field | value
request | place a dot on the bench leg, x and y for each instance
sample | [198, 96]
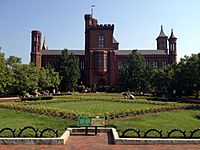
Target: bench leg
[95, 130]
[86, 130]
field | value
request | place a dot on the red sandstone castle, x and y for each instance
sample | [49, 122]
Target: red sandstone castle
[101, 60]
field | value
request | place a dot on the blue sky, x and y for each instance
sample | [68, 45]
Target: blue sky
[137, 23]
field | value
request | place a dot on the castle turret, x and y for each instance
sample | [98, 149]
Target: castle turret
[172, 48]
[44, 45]
[162, 41]
[36, 48]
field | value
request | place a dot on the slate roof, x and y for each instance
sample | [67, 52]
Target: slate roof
[59, 52]
[162, 34]
[118, 52]
[114, 40]
[172, 35]
[143, 52]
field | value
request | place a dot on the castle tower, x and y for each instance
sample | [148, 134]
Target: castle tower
[36, 48]
[162, 41]
[172, 48]
[99, 48]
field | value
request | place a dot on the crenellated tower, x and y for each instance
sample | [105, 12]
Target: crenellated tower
[99, 49]
[172, 48]
[36, 48]
[162, 41]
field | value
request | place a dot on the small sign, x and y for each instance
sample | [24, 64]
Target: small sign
[89, 121]
[84, 121]
[98, 121]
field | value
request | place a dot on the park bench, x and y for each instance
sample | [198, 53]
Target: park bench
[91, 121]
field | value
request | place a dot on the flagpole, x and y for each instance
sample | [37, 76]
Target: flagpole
[92, 6]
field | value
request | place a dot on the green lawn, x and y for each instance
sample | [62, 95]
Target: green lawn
[166, 121]
[16, 120]
[96, 107]
[94, 104]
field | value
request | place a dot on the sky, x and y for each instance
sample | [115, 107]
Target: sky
[137, 23]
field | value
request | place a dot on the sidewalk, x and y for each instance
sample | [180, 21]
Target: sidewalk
[99, 142]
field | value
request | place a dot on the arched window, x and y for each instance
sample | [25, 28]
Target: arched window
[101, 41]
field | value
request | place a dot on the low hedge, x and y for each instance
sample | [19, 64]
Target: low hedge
[157, 99]
[37, 98]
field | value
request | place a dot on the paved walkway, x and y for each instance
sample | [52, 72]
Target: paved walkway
[99, 142]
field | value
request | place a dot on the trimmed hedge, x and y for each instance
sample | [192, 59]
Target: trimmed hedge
[37, 98]
[157, 99]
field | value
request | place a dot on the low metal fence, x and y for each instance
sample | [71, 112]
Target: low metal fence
[34, 132]
[174, 133]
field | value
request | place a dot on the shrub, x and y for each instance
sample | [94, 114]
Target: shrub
[198, 116]
[37, 98]
[157, 99]
[46, 97]
[30, 98]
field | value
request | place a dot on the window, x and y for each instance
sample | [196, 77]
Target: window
[82, 65]
[100, 61]
[101, 41]
[164, 63]
[146, 63]
[155, 63]
[120, 65]
[46, 64]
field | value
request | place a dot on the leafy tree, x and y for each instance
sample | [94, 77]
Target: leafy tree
[68, 68]
[12, 61]
[133, 73]
[162, 80]
[26, 79]
[187, 75]
[3, 72]
[48, 79]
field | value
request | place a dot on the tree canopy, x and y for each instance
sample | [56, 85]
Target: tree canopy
[133, 73]
[68, 68]
[18, 79]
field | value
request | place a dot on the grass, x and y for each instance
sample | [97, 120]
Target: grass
[16, 120]
[97, 103]
[165, 121]
[96, 107]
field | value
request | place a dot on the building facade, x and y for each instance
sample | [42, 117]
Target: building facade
[101, 61]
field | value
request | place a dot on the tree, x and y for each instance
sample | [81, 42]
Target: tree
[133, 73]
[48, 79]
[26, 79]
[187, 75]
[12, 61]
[163, 79]
[68, 68]
[3, 72]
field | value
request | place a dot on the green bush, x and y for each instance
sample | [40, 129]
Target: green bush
[157, 99]
[46, 97]
[30, 98]
[62, 94]
[37, 98]
[198, 116]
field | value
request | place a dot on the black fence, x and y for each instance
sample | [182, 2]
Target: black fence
[34, 132]
[175, 133]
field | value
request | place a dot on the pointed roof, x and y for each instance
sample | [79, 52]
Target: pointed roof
[162, 34]
[114, 40]
[172, 35]
[44, 46]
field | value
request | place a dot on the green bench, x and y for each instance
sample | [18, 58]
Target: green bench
[91, 121]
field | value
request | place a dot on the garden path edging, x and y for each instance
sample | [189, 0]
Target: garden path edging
[49, 141]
